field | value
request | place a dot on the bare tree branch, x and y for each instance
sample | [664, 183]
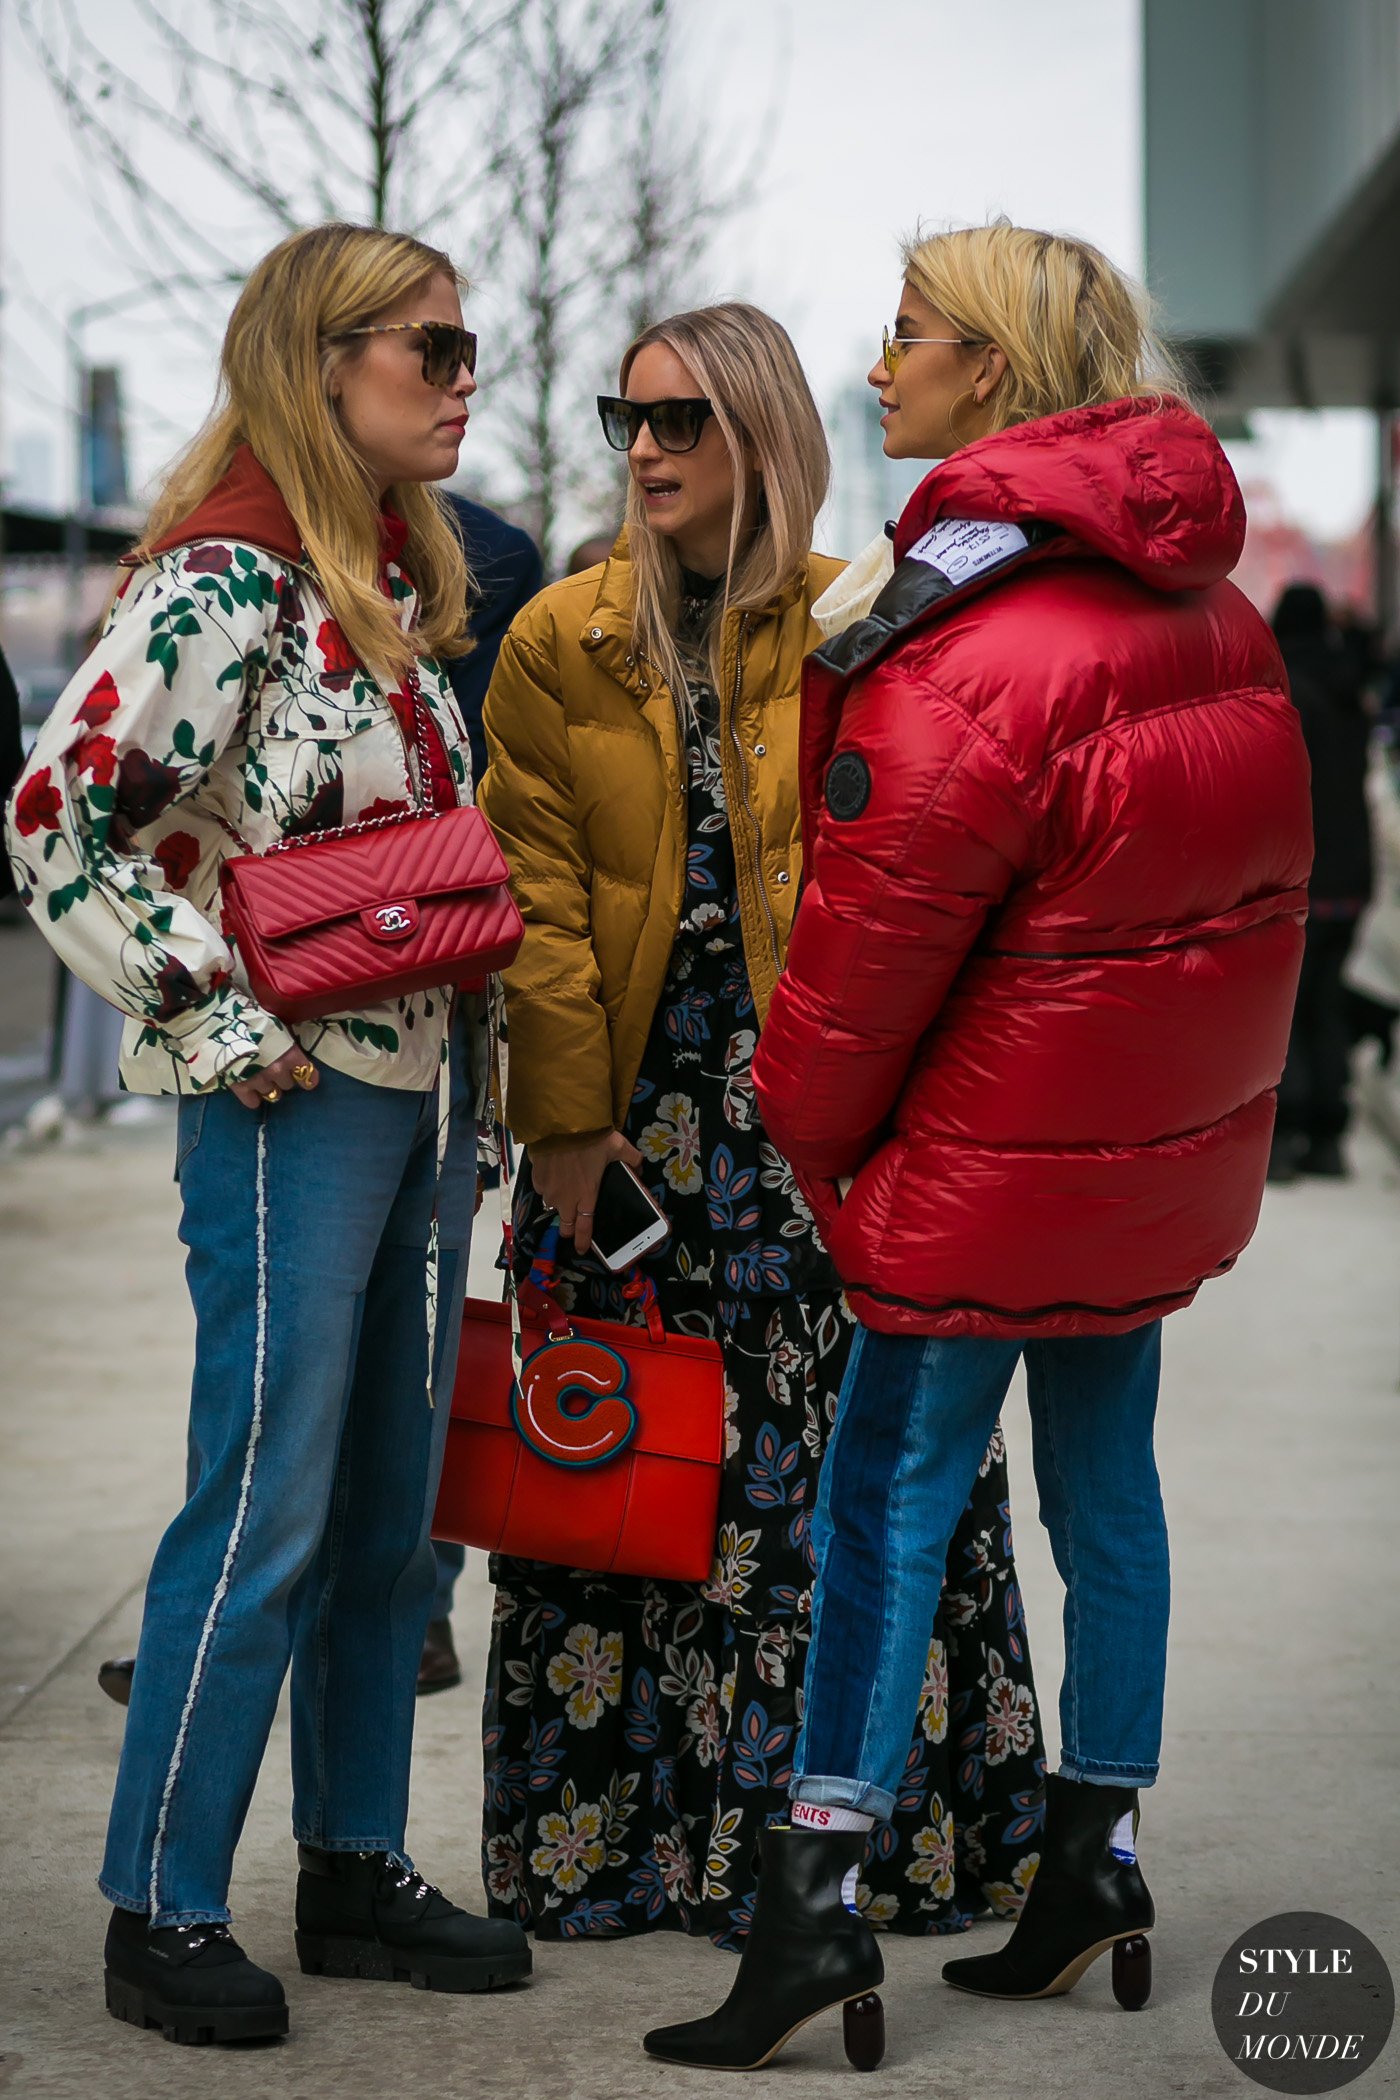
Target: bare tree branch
[546, 126]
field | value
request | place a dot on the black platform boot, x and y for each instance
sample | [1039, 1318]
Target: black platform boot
[1082, 1901]
[360, 1914]
[193, 1982]
[805, 1951]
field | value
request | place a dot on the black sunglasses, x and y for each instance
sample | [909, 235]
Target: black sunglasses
[676, 425]
[446, 348]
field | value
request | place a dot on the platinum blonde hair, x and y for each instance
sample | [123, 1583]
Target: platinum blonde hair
[1076, 330]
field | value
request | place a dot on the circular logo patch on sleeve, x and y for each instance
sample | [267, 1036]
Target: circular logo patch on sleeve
[848, 786]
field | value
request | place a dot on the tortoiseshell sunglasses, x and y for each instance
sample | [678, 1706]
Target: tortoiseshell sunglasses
[446, 348]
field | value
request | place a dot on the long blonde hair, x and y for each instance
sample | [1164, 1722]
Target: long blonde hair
[744, 363]
[280, 354]
[1076, 330]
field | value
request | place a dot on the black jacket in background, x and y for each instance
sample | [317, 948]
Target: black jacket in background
[11, 759]
[1327, 694]
[506, 566]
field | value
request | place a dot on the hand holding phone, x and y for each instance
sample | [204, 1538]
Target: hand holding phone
[627, 1220]
[567, 1177]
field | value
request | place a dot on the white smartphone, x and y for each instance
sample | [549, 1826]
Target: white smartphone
[627, 1223]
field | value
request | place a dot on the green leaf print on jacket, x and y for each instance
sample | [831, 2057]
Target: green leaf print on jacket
[221, 699]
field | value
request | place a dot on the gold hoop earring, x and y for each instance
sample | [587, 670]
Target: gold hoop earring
[970, 395]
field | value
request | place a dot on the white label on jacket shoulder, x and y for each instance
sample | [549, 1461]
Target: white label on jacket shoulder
[963, 547]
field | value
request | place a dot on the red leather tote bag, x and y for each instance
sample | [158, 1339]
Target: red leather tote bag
[605, 1453]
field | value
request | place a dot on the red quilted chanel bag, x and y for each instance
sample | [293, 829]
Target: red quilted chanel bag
[348, 918]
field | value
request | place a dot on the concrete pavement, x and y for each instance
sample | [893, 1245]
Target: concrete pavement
[1279, 1438]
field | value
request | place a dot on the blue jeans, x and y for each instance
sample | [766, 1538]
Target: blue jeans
[449, 1559]
[913, 1422]
[314, 1459]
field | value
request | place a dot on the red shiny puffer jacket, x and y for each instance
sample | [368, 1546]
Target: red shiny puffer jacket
[1038, 995]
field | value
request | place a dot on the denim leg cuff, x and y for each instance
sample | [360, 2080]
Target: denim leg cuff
[163, 1918]
[325, 1844]
[823, 1792]
[1091, 1774]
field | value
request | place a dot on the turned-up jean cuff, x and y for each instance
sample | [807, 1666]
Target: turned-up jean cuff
[824, 1792]
[355, 1845]
[219, 1915]
[1108, 1775]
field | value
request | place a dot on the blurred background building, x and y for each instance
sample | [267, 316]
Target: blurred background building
[1271, 156]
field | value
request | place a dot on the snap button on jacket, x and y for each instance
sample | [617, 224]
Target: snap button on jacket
[586, 791]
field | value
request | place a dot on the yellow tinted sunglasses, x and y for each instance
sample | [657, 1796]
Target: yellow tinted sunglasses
[894, 346]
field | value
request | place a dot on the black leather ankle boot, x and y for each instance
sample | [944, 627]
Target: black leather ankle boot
[193, 1982]
[360, 1914]
[805, 1951]
[1082, 1901]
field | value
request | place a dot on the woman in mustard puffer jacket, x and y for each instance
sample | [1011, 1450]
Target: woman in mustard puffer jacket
[642, 725]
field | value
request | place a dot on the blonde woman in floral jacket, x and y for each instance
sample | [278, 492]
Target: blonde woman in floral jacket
[229, 705]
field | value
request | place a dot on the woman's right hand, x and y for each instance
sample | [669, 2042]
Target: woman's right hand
[291, 1070]
[567, 1177]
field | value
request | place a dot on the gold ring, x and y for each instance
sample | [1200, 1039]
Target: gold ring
[274, 1093]
[304, 1075]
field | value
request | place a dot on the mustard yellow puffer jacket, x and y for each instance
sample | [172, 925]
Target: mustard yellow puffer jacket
[586, 791]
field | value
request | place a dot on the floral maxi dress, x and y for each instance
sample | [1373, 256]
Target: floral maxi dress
[639, 1733]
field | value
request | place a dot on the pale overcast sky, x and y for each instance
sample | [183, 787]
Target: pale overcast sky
[884, 116]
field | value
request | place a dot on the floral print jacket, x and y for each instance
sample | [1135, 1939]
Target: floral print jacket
[222, 694]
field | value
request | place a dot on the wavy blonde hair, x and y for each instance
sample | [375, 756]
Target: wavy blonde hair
[280, 354]
[1076, 330]
[744, 363]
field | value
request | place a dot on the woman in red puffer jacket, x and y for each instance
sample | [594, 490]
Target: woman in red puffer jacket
[1023, 1058]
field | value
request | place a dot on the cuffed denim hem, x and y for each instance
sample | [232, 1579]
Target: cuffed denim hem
[166, 1917]
[824, 1792]
[1090, 1774]
[325, 1844]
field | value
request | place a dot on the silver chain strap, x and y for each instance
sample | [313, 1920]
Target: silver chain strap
[418, 789]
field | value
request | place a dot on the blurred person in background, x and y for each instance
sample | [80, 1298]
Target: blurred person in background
[643, 727]
[327, 1176]
[11, 764]
[1022, 1057]
[1326, 676]
[506, 572]
[1373, 966]
[590, 553]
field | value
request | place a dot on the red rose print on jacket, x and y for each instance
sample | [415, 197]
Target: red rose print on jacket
[178, 857]
[178, 989]
[144, 788]
[101, 703]
[37, 804]
[382, 806]
[341, 660]
[323, 812]
[209, 560]
[97, 755]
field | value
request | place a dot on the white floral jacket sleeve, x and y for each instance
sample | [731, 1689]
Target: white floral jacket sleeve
[222, 694]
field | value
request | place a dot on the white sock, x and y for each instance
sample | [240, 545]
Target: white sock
[822, 1815]
[1122, 1843]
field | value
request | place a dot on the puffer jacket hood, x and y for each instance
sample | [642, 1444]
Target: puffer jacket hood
[1143, 482]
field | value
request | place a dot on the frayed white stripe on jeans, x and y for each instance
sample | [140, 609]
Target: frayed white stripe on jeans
[240, 1519]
